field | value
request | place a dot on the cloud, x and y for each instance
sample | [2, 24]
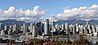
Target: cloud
[83, 13]
[35, 14]
[22, 15]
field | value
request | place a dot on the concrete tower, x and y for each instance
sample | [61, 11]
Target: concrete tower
[46, 27]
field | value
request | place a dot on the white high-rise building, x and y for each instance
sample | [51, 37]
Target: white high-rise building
[95, 27]
[9, 31]
[31, 27]
[89, 28]
[57, 27]
[24, 28]
[81, 29]
[0, 25]
[67, 28]
[77, 28]
[62, 27]
[73, 28]
[54, 29]
[85, 29]
[46, 27]
[2, 32]
[14, 28]
[34, 31]
[5, 27]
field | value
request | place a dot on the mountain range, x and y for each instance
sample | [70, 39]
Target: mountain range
[13, 21]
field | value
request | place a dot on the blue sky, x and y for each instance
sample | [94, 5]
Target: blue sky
[50, 6]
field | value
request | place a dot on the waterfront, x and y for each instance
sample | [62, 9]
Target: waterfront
[92, 39]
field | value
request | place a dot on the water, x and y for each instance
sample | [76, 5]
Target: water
[19, 43]
[3, 43]
[94, 39]
[70, 37]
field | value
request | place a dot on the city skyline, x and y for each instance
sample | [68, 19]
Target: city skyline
[33, 10]
[48, 22]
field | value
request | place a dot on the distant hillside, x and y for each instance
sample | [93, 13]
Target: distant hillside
[76, 21]
[12, 21]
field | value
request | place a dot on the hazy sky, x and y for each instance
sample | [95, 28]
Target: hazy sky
[32, 10]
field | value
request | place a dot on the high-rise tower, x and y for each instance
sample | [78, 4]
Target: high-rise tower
[46, 27]
[67, 28]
